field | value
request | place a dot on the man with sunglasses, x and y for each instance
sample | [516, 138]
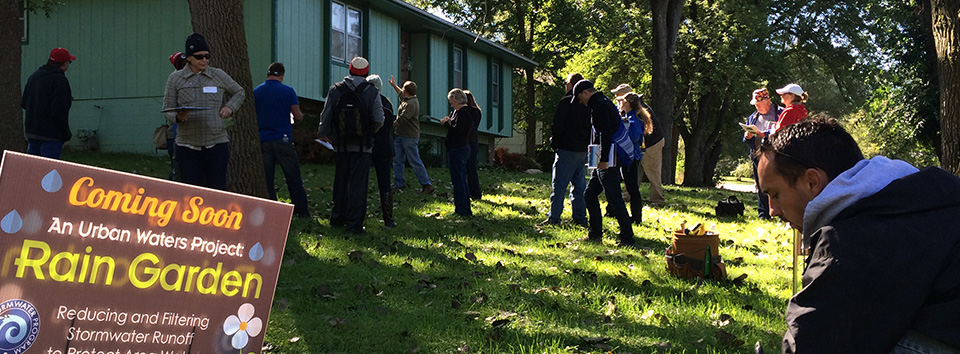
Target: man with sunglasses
[201, 99]
[47, 99]
[765, 119]
[882, 275]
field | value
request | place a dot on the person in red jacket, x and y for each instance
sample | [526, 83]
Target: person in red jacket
[793, 97]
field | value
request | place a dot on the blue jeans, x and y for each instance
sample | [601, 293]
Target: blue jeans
[405, 148]
[457, 162]
[51, 149]
[473, 177]
[607, 181]
[284, 153]
[763, 202]
[568, 167]
[206, 167]
[915, 343]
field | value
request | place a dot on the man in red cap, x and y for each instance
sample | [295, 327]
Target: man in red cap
[47, 99]
[351, 116]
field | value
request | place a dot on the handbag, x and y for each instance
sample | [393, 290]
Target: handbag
[160, 137]
[729, 207]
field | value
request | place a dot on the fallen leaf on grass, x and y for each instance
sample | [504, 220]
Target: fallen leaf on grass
[294, 339]
[552, 288]
[282, 304]
[739, 280]
[595, 340]
[336, 321]
[463, 349]
[728, 339]
[472, 314]
[355, 256]
[470, 256]
[514, 287]
[455, 304]
[499, 323]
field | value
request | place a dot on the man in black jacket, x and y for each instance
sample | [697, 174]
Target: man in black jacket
[606, 120]
[47, 100]
[883, 275]
[571, 134]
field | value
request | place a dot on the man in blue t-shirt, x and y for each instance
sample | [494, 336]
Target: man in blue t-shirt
[277, 104]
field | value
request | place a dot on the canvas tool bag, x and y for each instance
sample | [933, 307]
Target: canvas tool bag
[729, 207]
[160, 137]
[690, 255]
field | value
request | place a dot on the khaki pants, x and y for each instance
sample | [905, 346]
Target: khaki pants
[652, 162]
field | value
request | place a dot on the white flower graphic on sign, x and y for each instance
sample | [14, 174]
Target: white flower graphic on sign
[242, 326]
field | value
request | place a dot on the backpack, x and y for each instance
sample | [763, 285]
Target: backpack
[628, 141]
[352, 122]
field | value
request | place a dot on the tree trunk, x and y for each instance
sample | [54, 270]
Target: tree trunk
[945, 16]
[11, 116]
[530, 135]
[221, 22]
[666, 25]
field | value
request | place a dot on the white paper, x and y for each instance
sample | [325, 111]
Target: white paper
[209, 89]
[324, 143]
[750, 128]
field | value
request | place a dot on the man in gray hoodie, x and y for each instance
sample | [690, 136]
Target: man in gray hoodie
[352, 156]
[883, 275]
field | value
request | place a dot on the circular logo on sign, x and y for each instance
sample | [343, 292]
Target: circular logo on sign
[19, 325]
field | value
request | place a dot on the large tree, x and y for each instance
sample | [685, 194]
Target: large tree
[945, 16]
[667, 15]
[11, 121]
[221, 22]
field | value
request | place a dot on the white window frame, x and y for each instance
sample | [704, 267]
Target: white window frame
[343, 30]
[457, 72]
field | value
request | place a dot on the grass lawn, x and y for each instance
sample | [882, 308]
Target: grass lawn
[497, 283]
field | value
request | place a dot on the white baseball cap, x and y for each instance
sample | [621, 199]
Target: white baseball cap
[791, 88]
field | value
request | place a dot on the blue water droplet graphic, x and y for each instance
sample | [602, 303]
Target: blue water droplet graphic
[52, 181]
[256, 252]
[11, 223]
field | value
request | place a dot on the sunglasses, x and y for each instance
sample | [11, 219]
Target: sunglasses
[765, 143]
[201, 56]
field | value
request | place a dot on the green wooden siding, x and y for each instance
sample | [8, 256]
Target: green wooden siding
[384, 46]
[439, 83]
[421, 72]
[478, 85]
[122, 50]
[505, 122]
[300, 45]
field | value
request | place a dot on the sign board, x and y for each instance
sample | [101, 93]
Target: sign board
[96, 261]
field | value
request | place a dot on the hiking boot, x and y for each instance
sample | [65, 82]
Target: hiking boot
[427, 189]
[582, 222]
[386, 208]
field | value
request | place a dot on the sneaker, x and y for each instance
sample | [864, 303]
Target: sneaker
[389, 224]
[582, 222]
[427, 189]
[627, 244]
[548, 222]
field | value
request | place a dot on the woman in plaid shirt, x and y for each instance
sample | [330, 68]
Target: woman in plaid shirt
[201, 99]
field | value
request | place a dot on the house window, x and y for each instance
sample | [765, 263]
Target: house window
[495, 84]
[346, 32]
[457, 67]
[23, 25]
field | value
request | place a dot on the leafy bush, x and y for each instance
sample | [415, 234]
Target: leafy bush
[512, 161]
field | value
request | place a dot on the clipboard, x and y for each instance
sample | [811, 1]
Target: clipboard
[752, 129]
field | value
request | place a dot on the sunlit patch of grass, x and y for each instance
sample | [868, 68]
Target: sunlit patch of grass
[498, 283]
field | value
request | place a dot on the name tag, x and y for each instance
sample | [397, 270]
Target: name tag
[209, 89]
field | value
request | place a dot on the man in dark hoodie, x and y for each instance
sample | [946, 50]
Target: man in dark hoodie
[352, 173]
[606, 120]
[47, 100]
[882, 275]
[571, 135]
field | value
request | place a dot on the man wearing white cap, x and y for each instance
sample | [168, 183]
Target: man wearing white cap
[47, 100]
[352, 153]
[765, 119]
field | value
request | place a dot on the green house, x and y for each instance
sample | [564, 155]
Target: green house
[122, 50]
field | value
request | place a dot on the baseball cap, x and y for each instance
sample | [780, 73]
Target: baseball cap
[791, 88]
[759, 95]
[579, 87]
[359, 66]
[60, 55]
[621, 89]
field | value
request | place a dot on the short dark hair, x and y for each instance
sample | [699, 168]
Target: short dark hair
[276, 69]
[819, 142]
[410, 88]
[573, 78]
